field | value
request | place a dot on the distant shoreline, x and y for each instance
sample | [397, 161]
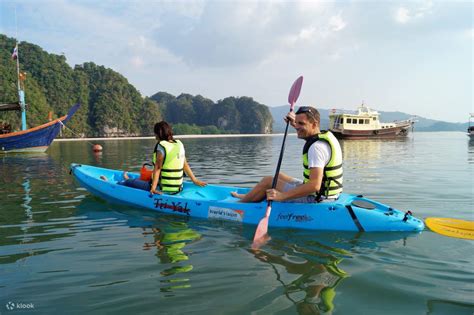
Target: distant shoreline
[176, 136]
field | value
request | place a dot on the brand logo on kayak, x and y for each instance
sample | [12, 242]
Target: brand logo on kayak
[294, 217]
[175, 206]
[225, 213]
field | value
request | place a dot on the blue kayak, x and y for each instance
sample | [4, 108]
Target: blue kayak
[347, 213]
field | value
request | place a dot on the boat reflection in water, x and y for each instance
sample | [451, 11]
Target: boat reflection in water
[26, 222]
[358, 152]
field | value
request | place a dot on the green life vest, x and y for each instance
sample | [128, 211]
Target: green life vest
[171, 175]
[332, 176]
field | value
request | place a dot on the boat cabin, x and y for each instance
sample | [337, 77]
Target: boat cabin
[363, 119]
[470, 128]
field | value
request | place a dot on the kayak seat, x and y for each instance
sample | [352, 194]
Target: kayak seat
[363, 204]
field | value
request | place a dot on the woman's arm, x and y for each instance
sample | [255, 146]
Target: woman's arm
[156, 173]
[189, 172]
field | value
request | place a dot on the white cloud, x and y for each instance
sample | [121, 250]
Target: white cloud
[137, 61]
[402, 15]
[336, 23]
[307, 33]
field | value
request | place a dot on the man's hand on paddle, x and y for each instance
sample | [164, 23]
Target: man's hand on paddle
[290, 117]
[275, 195]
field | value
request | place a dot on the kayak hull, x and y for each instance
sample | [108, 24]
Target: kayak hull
[348, 213]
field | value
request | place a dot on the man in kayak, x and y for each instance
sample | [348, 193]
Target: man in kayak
[169, 162]
[322, 163]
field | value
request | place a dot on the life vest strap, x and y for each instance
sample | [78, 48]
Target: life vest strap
[170, 185]
[172, 178]
[334, 177]
[171, 170]
[332, 168]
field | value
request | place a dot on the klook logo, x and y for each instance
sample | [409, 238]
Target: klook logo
[10, 306]
[19, 305]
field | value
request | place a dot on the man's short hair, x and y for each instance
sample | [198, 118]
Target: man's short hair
[311, 113]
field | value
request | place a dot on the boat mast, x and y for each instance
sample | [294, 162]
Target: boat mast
[21, 93]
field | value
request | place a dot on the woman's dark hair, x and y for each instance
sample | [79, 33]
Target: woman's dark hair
[163, 131]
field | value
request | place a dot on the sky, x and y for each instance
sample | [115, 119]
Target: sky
[410, 56]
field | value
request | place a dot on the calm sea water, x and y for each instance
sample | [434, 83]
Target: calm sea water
[65, 251]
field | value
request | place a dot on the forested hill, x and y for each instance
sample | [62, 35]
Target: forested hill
[110, 105]
[202, 115]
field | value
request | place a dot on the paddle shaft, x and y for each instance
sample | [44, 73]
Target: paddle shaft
[262, 227]
[277, 172]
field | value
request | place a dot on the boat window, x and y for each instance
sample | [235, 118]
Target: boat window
[349, 120]
[361, 121]
[342, 120]
[367, 121]
[374, 118]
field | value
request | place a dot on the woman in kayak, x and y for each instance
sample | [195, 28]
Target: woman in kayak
[169, 162]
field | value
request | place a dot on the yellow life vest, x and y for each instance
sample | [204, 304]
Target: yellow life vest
[171, 175]
[332, 178]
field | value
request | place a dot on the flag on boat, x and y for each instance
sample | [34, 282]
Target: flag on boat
[15, 52]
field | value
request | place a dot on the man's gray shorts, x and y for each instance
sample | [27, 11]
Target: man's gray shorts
[306, 199]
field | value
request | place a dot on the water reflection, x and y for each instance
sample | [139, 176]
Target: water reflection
[470, 150]
[365, 150]
[309, 265]
[314, 288]
[367, 153]
[170, 250]
[167, 235]
[217, 159]
[23, 187]
[449, 307]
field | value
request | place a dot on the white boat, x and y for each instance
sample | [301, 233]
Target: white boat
[365, 124]
[470, 129]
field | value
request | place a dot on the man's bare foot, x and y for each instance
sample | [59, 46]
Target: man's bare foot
[125, 176]
[236, 195]
[103, 177]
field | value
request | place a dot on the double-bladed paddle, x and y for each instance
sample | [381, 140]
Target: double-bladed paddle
[262, 228]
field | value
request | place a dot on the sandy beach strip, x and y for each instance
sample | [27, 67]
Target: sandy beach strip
[176, 136]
